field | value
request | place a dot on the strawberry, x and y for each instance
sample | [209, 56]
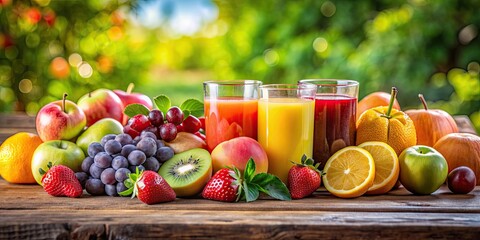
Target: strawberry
[149, 187]
[223, 186]
[303, 178]
[61, 181]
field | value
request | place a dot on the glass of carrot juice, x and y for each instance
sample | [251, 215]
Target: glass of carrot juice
[335, 116]
[230, 110]
[285, 124]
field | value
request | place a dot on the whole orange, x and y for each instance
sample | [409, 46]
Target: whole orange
[16, 157]
[375, 99]
[388, 125]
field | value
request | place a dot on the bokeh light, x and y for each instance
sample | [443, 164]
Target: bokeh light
[25, 86]
[85, 70]
[75, 60]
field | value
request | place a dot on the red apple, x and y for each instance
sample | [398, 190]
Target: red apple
[59, 120]
[99, 104]
[236, 152]
[129, 98]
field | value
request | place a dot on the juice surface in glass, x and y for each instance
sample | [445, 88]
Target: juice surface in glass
[335, 117]
[229, 117]
[285, 130]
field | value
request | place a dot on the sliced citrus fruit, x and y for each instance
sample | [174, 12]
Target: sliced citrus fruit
[349, 173]
[386, 166]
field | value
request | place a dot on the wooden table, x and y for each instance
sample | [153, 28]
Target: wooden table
[26, 211]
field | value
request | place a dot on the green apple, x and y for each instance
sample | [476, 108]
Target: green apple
[97, 131]
[422, 169]
[58, 152]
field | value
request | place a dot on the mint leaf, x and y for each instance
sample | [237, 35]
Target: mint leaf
[162, 102]
[135, 108]
[251, 192]
[249, 171]
[192, 107]
[272, 186]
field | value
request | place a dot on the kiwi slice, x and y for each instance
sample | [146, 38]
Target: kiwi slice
[188, 172]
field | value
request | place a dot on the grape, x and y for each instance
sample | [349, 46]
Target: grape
[151, 164]
[108, 176]
[127, 149]
[145, 134]
[121, 187]
[95, 171]
[106, 138]
[136, 140]
[94, 148]
[95, 187]
[130, 131]
[119, 162]
[156, 117]
[168, 132]
[87, 162]
[180, 128]
[160, 144]
[202, 120]
[148, 146]
[82, 178]
[139, 122]
[201, 135]
[124, 139]
[134, 168]
[112, 147]
[191, 124]
[121, 174]
[103, 160]
[164, 154]
[111, 190]
[175, 115]
[136, 157]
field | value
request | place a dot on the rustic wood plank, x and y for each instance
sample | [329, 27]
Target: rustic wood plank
[124, 224]
[17, 120]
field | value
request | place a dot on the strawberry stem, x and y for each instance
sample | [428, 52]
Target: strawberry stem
[424, 102]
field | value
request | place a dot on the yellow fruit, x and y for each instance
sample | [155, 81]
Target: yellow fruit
[349, 173]
[388, 125]
[16, 157]
[387, 167]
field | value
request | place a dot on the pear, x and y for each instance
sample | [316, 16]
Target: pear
[97, 131]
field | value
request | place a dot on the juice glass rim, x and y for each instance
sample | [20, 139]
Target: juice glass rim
[233, 82]
[286, 86]
[330, 82]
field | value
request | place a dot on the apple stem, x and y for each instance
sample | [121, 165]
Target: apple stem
[130, 88]
[63, 102]
[392, 100]
[422, 99]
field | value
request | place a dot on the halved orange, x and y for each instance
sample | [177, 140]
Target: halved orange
[386, 166]
[349, 173]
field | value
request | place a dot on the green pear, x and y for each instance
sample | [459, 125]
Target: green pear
[97, 131]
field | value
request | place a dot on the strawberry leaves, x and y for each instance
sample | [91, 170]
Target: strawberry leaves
[253, 184]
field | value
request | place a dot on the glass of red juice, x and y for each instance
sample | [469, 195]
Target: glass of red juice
[335, 116]
[231, 109]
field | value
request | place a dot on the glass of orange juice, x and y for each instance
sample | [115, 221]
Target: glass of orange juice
[230, 110]
[285, 124]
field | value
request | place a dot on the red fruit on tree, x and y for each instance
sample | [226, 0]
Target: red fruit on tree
[303, 178]
[61, 181]
[149, 187]
[223, 186]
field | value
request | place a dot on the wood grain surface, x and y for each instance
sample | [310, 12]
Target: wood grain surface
[28, 212]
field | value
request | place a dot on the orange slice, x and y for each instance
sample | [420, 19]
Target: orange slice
[386, 166]
[349, 173]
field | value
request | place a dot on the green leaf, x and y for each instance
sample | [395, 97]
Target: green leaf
[193, 107]
[272, 186]
[135, 109]
[162, 102]
[126, 193]
[251, 192]
[249, 171]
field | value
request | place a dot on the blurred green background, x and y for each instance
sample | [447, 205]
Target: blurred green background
[48, 47]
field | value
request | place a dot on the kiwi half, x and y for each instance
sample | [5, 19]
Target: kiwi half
[188, 172]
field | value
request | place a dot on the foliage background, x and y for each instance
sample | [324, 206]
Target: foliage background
[48, 47]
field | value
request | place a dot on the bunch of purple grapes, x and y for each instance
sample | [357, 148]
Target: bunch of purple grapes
[110, 161]
[166, 126]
